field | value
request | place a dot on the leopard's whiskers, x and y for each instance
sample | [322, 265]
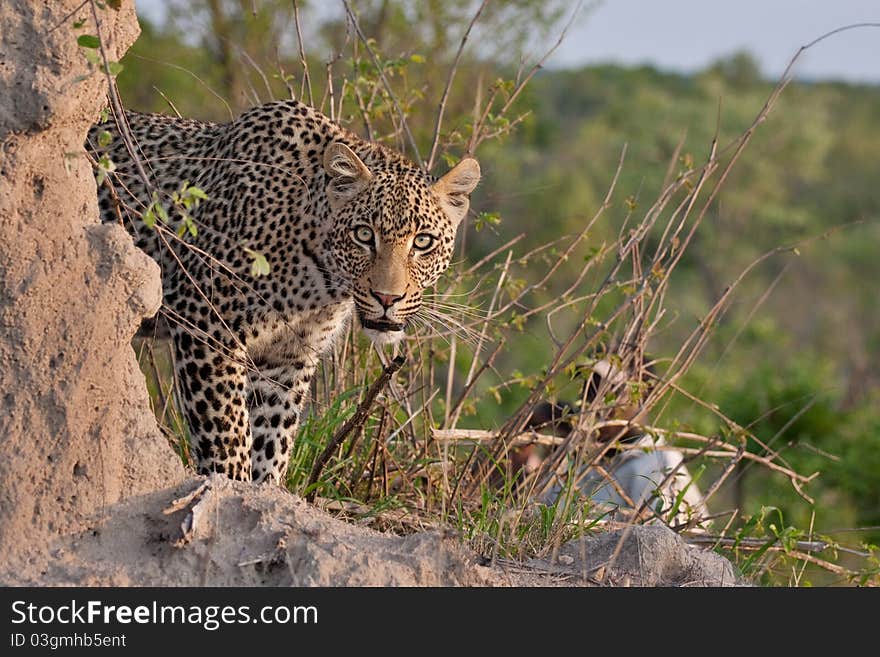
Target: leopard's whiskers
[464, 332]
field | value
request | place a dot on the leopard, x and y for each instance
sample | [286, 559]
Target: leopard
[346, 231]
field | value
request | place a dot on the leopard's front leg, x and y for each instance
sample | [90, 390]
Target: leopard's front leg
[212, 377]
[275, 399]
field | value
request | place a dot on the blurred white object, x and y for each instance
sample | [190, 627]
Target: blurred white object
[642, 473]
[638, 473]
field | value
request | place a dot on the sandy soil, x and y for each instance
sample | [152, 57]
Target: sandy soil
[236, 534]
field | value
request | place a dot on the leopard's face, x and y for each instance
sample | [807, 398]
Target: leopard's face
[393, 235]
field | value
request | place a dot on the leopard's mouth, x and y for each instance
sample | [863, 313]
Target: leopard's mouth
[382, 325]
[382, 331]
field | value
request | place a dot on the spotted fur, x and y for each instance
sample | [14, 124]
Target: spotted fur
[347, 227]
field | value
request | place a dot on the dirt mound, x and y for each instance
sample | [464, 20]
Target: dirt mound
[76, 433]
[248, 535]
[235, 534]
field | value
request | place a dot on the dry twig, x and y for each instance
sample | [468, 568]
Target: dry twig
[356, 420]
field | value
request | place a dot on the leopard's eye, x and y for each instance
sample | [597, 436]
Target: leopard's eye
[423, 241]
[364, 234]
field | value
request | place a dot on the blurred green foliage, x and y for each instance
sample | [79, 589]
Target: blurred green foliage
[796, 367]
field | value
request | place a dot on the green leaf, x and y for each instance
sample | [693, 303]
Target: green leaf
[162, 212]
[88, 41]
[115, 5]
[78, 24]
[187, 226]
[105, 166]
[115, 68]
[155, 212]
[104, 138]
[195, 193]
[93, 57]
[259, 266]
[417, 59]
[487, 218]
[150, 216]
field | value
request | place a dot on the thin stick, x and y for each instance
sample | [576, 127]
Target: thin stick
[355, 421]
[452, 71]
[250, 60]
[210, 89]
[479, 436]
[473, 379]
[378, 65]
[469, 380]
[754, 543]
[725, 474]
[117, 106]
[476, 136]
[64, 20]
[168, 100]
[306, 84]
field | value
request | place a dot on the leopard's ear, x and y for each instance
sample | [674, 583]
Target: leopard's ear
[348, 175]
[454, 188]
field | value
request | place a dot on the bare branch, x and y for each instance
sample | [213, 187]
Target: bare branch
[441, 109]
[401, 115]
[356, 420]
[306, 84]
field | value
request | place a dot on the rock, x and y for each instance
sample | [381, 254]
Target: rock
[643, 555]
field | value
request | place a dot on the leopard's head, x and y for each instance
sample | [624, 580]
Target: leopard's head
[394, 232]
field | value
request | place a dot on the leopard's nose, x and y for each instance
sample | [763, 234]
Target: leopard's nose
[386, 300]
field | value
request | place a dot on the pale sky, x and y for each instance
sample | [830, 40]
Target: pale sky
[686, 35]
